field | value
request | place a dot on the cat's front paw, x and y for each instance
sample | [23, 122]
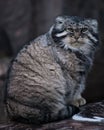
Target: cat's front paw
[79, 102]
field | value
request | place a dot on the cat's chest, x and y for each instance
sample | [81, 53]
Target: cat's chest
[66, 59]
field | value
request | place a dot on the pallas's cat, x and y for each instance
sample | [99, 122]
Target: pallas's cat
[48, 75]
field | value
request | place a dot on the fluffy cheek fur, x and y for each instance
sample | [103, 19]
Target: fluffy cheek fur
[71, 42]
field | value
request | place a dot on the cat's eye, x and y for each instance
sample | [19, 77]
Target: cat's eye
[59, 22]
[85, 29]
[70, 30]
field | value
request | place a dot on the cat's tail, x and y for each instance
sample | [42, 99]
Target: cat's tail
[73, 110]
[38, 115]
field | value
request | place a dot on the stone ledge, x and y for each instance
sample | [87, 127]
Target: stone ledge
[62, 125]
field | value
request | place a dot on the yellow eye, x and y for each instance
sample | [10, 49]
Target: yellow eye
[84, 29]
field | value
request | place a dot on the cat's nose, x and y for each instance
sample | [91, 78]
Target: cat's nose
[76, 35]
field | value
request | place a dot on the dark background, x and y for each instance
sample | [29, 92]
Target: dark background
[24, 20]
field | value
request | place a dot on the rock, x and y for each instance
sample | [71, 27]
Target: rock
[93, 112]
[96, 108]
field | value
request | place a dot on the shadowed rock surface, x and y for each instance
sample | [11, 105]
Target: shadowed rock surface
[62, 125]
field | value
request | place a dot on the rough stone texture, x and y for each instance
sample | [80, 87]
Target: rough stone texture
[62, 125]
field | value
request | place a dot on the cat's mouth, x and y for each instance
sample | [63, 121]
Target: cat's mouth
[73, 41]
[76, 44]
[80, 41]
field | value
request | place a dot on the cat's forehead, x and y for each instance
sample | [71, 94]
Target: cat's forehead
[74, 20]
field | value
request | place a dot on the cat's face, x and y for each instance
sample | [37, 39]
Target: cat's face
[74, 32]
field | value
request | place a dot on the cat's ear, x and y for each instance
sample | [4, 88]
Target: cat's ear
[59, 19]
[93, 24]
